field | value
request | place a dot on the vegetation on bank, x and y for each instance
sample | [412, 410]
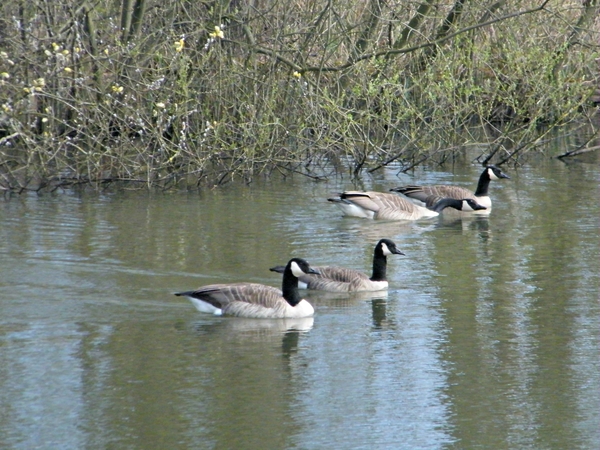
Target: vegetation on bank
[165, 93]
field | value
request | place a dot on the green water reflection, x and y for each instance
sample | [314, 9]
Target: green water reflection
[487, 338]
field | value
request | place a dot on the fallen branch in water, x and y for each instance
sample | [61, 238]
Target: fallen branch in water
[578, 151]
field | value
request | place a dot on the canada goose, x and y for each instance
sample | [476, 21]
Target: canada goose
[340, 279]
[384, 206]
[255, 300]
[420, 193]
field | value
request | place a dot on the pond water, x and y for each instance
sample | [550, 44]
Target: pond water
[488, 337]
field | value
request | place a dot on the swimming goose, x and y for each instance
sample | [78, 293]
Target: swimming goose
[255, 300]
[384, 206]
[340, 279]
[420, 193]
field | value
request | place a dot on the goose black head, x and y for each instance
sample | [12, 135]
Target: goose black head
[470, 204]
[299, 267]
[388, 247]
[495, 173]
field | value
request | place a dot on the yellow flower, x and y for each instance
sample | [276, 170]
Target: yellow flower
[117, 89]
[297, 74]
[44, 119]
[65, 52]
[55, 47]
[68, 69]
[4, 55]
[39, 82]
[26, 90]
[5, 75]
[179, 45]
[160, 105]
[218, 33]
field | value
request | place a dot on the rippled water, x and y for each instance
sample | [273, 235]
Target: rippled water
[487, 338]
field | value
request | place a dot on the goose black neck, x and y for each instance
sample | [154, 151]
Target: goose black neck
[289, 287]
[483, 184]
[379, 265]
[447, 202]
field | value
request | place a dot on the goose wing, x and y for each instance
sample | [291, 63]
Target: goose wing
[339, 279]
[364, 200]
[341, 274]
[225, 295]
[393, 207]
[335, 279]
[422, 193]
[384, 205]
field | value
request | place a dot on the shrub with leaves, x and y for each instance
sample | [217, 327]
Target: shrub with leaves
[171, 92]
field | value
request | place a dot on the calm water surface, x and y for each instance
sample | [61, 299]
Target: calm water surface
[487, 338]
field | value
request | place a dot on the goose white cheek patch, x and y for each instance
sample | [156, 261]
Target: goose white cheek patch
[385, 249]
[492, 175]
[466, 206]
[296, 270]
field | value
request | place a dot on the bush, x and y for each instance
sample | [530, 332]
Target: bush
[166, 93]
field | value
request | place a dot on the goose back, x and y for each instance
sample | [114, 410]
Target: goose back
[430, 194]
[342, 279]
[379, 205]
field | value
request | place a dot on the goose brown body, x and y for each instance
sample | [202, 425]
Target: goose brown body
[379, 205]
[256, 300]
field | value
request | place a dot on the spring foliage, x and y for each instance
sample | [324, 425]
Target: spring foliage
[208, 92]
